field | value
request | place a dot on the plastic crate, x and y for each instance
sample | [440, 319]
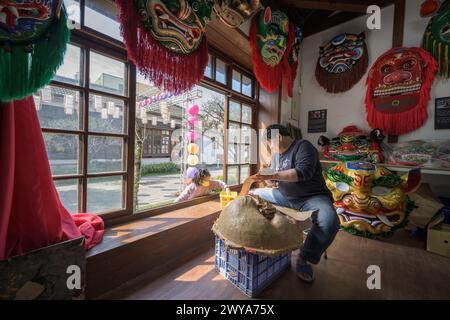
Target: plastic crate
[250, 273]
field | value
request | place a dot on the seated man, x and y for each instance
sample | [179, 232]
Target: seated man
[300, 185]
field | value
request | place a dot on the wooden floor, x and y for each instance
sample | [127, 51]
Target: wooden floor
[407, 272]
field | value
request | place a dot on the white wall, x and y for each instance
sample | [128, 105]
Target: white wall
[348, 108]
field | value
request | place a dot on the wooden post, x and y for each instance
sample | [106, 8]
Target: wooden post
[397, 37]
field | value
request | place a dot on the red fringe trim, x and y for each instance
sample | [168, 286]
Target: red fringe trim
[166, 69]
[410, 120]
[269, 77]
[290, 71]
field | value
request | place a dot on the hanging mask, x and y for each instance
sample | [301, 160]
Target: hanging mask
[271, 38]
[166, 40]
[234, 12]
[342, 62]
[436, 39]
[290, 72]
[33, 40]
[398, 90]
[370, 200]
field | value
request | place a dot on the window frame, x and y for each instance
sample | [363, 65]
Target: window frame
[91, 40]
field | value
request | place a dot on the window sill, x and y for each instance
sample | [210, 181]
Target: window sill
[149, 247]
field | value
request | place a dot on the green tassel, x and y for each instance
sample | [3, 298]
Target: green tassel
[22, 73]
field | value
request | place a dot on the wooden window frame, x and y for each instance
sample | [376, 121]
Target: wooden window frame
[103, 44]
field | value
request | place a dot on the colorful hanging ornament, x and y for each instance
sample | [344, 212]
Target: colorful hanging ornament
[271, 39]
[342, 62]
[370, 200]
[166, 40]
[234, 12]
[436, 39]
[193, 148]
[398, 90]
[193, 110]
[33, 40]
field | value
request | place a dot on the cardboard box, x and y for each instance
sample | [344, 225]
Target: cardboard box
[439, 239]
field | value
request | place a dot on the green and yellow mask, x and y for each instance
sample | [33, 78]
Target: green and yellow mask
[369, 199]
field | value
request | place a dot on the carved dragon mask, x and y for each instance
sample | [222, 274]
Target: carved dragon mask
[436, 39]
[398, 90]
[342, 62]
[354, 144]
[369, 199]
[234, 12]
[174, 23]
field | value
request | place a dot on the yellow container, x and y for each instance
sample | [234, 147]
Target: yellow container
[225, 198]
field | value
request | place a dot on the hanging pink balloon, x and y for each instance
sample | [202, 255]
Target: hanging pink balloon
[193, 110]
[192, 136]
[193, 120]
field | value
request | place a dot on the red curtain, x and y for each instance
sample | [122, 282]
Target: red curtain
[31, 214]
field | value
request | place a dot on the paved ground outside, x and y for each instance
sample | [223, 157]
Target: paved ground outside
[105, 194]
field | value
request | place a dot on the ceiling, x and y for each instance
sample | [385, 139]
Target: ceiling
[314, 16]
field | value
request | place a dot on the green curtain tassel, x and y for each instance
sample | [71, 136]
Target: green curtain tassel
[23, 73]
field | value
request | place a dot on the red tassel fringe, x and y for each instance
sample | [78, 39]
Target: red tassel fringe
[410, 120]
[270, 77]
[166, 69]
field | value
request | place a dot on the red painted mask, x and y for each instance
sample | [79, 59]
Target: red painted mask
[398, 89]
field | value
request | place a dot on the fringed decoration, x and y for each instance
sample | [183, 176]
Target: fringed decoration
[290, 68]
[409, 120]
[342, 82]
[269, 77]
[439, 50]
[24, 72]
[166, 69]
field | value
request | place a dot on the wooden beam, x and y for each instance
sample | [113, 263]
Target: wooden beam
[331, 6]
[318, 22]
[397, 37]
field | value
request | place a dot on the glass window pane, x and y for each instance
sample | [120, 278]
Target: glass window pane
[245, 173]
[73, 10]
[62, 152]
[104, 194]
[106, 114]
[234, 133]
[70, 70]
[235, 111]
[236, 83]
[105, 154]
[208, 69]
[58, 108]
[68, 193]
[221, 71]
[246, 134]
[245, 154]
[107, 74]
[232, 176]
[246, 114]
[101, 16]
[247, 86]
[233, 153]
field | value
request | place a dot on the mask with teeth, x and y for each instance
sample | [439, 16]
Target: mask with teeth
[369, 199]
[234, 12]
[436, 39]
[342, 62]
[166, 40]
[272, 37]
[398, 90]
[33, 38]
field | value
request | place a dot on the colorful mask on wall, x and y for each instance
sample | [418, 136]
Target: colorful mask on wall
[370, 200]
[166, 40]
[234, 12]
[398, 90]
[436, 39]
[33, 39]
[342, 62]
[354, 144]
[271, 38]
